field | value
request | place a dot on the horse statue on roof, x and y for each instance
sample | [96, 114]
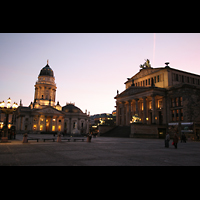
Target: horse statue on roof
[146, 64]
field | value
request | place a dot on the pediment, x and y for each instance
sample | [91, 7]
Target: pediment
[145, 72]
[49, 110]
[132, 90]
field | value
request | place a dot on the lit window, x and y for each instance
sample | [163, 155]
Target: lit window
[41, 127]
[150, 104]
[177, 101]
[181, 101]
[34, 127]
[53, 128]
[160, 104]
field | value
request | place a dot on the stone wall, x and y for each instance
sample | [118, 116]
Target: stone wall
[143, 131]
[104, 128]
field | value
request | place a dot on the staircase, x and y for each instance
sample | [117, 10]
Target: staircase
[118, 131]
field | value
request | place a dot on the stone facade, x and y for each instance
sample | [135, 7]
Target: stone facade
[160, 96]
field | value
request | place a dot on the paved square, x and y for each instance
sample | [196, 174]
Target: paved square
[102, 151]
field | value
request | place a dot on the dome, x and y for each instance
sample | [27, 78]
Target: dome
[71, 108]
[46, 71]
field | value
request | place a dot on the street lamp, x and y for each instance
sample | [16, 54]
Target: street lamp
[7, 110]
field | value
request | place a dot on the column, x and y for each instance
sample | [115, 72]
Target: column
[30, 123]
[136, 106]
[70, 126]
[62, 124]
[87, 124]
[123, 117]
[45, 118]
[129, 112]
[38, 123]
[164, 104]
[50, 123]
[56, 124]
[144, 109]
[117, 113]
[153, 109]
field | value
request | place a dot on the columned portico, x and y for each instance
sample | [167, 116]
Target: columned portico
[153, 109]
[148, 105]
[144, 110]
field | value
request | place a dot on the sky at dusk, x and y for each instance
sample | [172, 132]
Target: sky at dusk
[89, 68]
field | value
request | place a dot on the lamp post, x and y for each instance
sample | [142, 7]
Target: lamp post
[7, 110]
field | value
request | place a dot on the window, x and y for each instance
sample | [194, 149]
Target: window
[181, 101]
[34, 127]
[146, 82]
[41, 127]
[177, 102]
[182, 79]
[177, 118]
[172, 103]
[150, 104]
[181, 114]
[160, 103]
[173, 118]
[176, 77]
[149, 83]
[155, 79]
[158, 78]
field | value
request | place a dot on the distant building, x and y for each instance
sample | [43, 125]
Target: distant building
[44, 115]
[102, 119]
[161, 99]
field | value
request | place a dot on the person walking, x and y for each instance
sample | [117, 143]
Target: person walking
[175, 140]
[167, 139]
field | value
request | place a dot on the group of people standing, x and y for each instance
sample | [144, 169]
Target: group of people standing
[175, 139]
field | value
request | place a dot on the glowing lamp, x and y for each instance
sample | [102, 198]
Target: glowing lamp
[9, 103]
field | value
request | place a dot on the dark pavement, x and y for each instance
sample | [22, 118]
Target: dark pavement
[102, 151]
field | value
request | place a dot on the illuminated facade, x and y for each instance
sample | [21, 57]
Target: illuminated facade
[160, 97]
[45, 116]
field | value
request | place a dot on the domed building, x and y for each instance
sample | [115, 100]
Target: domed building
[45, 116]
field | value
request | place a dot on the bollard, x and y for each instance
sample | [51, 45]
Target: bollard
[59, 137]
[25, 138]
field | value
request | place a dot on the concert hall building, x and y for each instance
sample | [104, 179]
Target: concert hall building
[156, 100]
